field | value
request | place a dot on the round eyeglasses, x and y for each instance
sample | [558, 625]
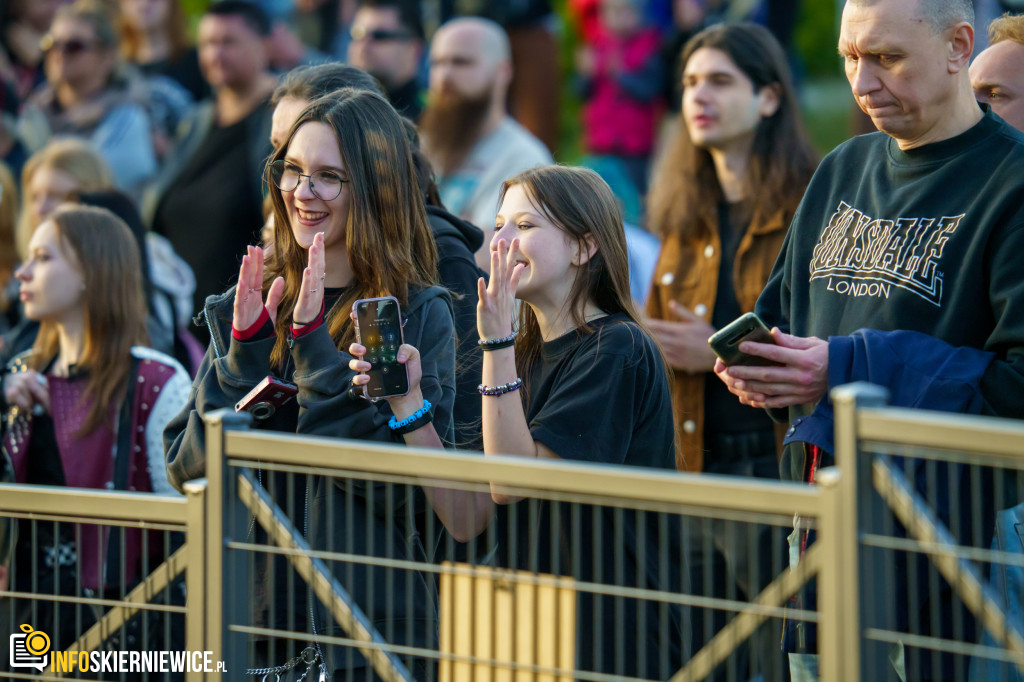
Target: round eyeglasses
[324, 184]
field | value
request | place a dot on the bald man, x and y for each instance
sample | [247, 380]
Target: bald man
[997, 74]
[470, 139]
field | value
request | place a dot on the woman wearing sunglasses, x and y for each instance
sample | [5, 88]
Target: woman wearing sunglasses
[349, 224]
[87, 94]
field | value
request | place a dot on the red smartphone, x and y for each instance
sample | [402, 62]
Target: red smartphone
[268, 395]
[379, 330]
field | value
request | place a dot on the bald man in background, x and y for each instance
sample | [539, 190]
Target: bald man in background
[468, 135]
[997, 74]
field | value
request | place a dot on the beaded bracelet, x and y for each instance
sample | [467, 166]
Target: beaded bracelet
[498, 345]
[420, 417]
[501, 389]
[495, 344]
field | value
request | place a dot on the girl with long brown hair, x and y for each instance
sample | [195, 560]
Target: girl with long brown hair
[349, 224]
[578, 377]
[87, 404]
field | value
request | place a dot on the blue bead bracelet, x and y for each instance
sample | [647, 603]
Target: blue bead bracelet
[396, 425]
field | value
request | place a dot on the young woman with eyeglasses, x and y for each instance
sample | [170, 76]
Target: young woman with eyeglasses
[349, 224]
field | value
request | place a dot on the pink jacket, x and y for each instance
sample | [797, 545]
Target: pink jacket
[617, 121]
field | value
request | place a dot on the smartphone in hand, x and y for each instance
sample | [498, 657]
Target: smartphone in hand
[749, 327]
[379, 330]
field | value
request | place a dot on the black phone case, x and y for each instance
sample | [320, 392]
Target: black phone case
[749, 327]
[381, 334]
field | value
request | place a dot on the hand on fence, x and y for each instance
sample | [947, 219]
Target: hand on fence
[801, 379]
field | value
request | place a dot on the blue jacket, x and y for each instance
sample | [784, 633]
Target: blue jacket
[919, 371]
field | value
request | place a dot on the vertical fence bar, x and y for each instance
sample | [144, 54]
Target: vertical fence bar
[224, 590]
[856, 514]
[195, 571]
[833, 658]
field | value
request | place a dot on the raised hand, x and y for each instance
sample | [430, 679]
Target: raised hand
[249, 303]
[311, 293]
[497, 297]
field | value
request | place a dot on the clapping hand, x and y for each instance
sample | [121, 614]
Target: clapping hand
[249, 303]
[497, 297]
[311, 293]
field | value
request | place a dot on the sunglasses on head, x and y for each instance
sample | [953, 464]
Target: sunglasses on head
[70, 48]
[378, 34]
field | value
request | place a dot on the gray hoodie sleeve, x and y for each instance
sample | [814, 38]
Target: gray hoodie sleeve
[219, 383]
[328, 408]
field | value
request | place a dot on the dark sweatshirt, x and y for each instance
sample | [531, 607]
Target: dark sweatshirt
[927, 240]
[457, 241]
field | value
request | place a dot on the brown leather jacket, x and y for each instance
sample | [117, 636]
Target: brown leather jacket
[687, 272]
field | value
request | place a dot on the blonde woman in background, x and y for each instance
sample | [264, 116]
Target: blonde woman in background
[58, 172]
[61, 169]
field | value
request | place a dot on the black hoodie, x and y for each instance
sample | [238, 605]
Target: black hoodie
[457, 241]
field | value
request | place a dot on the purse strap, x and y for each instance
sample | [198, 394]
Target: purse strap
[122, 466]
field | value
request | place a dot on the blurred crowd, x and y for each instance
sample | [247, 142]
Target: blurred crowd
[153, 93]
[197, 194]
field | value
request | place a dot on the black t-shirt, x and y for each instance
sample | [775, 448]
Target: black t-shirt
[212, 211]
[723, 412]
[407, 100]
[602, 397]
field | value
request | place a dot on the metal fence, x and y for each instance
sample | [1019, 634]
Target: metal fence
[98, 572]
[333, 563]
[934, 529]
[317, 558]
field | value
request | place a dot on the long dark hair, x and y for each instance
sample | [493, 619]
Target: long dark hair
[685, 192]
[115, 310]
[389, 244]
[578, 202]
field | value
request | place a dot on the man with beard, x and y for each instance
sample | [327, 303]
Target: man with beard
[471, 140]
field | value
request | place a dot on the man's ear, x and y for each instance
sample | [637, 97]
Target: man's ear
[768, 100]
[585, 250]
[503, 74]
[961, 46]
